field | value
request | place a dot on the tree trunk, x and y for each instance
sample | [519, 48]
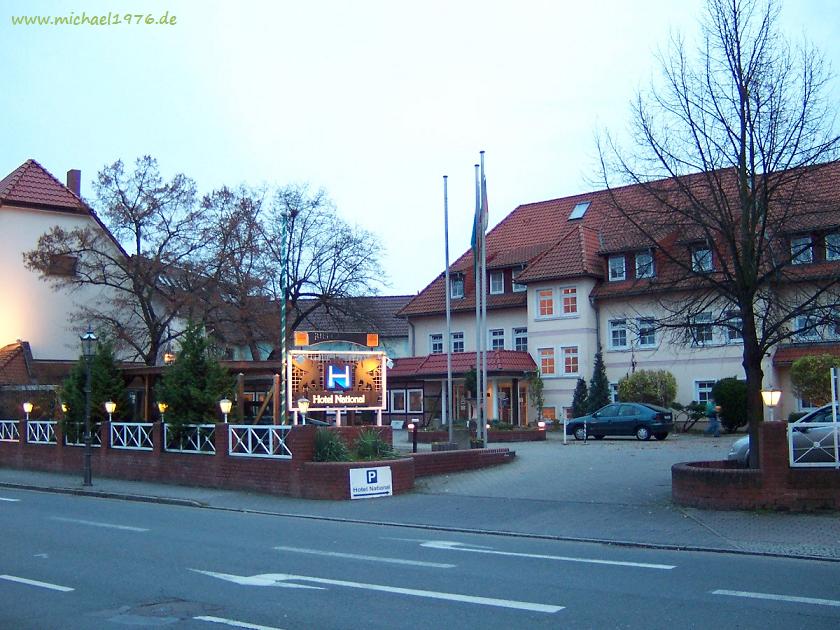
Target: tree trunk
[755, 407]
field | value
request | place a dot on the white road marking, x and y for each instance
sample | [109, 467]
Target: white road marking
[781, 598]
[41, 555]
[278, 579]
[235, 624]
[127, 528]
[54, 587]
[353, 556]
[9, 500]
[456, 546]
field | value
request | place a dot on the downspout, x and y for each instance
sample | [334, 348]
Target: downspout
[410, 337]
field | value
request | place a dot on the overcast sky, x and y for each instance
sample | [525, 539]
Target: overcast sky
[374, 101]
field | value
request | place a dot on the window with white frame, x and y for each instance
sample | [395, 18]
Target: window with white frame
[701, 259]
[457, 341]
[518, 288]
[618, 334]
[545, 302]
[547, 365]
[618, 270]
[570, 360]
[613, 392]
[703, 391]
[415, 400]
[436, 343]
[733, 329]
[702, 332]
[801, 250]
[647, 332]
[803, 404]
[397, 400]
[497, 282]
[569, 300]
[456, 286]
[520, 339]
[497, 339]
[644, 264]
[549, 413]
[832, 246]
[807, 328]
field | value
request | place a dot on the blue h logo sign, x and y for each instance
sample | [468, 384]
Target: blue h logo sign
[338, 378]
[371, 476]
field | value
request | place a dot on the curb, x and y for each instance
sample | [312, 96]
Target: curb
[426, 527]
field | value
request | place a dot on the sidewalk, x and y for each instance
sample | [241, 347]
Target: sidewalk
[615, 492]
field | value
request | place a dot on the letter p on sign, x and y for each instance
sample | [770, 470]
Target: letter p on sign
[371, 476]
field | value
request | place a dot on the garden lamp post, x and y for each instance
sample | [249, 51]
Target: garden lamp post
[284, 280]
[27, 409]
[88, 350]
[110, 408]
[225, 404]
[770, 396]
[162, 406]
[303, 405]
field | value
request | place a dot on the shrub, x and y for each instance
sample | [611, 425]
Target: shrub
[579, 407]
[731, 394]
[811, 377]
[370, 445]
[658, 387]
[599, 386]
[329, 447]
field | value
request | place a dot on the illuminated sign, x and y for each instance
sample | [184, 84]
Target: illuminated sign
[338, 377]
[303, 338]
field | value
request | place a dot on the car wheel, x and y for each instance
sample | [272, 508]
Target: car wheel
[580, 433]
[642, 433]
[598, 437]
[660, 436]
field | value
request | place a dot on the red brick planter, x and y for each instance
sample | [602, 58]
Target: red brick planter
[724, 485]
[331, 480]
[516, 435]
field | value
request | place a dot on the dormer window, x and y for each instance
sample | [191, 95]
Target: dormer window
[832, 246]
[456, 287]
[801, 250]
[644, 264]
[701, 259]
[618, 269]
[518, 288]
[497, 282]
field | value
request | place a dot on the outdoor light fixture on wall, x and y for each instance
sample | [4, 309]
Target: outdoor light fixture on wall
[225, 404]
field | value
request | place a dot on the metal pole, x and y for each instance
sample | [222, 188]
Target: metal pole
[447, 410]
[479, 285]
[283, 263]
[87, 471]
[484, 218]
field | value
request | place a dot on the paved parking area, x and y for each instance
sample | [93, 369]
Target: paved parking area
[622, 471]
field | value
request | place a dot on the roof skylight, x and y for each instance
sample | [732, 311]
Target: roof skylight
[579, 210]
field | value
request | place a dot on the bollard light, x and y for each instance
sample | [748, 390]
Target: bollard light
[110, 407]
[413, 428]
[541, 425]
[225, 404]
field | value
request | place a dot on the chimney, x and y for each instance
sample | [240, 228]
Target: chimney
[74, 181]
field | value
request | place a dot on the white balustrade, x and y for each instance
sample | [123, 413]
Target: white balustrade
[135, 436]
[9, 431]
[190, 438]
[40, 432]
[258, 441]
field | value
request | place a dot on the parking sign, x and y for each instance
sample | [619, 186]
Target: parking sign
[366, 483]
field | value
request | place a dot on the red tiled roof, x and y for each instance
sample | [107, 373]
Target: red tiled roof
[498, 362]
[786, 355]
[13, 366]
[32, 185]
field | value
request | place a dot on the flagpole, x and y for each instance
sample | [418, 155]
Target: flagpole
[479, 287]
[484, 219]
[447, 408]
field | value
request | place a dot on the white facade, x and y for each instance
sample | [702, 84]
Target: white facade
[32, 309]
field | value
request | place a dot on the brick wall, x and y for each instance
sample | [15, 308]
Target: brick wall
[441, 462]
[725, 485]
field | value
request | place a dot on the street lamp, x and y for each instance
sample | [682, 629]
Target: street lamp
[284, 272]
[27, 409]
[88, 350]
[771, 397]
[162, 406]
[303, 405]
[225, 405]
[110, 407]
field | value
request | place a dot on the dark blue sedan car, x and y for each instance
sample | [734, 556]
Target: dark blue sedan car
[640, 419]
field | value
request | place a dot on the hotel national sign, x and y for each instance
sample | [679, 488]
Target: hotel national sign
[337, 380]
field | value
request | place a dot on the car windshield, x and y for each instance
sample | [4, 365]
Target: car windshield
[823, 414]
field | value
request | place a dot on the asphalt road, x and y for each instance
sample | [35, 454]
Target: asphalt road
[81, 562]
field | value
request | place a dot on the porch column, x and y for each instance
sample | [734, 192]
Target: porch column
[338, 417]
[379, 417]
[514, 402]
[495, 389]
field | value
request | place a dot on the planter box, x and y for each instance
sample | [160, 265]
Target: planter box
[516, 435]
[444, 446]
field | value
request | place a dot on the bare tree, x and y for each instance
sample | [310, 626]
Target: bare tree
[150, 270]
[731, 157]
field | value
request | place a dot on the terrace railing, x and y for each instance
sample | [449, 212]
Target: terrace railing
[9, 431]
[814, 444]
[190, 438]
[258, 441]
[136, 436]
[40, 432]
[74, 434]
